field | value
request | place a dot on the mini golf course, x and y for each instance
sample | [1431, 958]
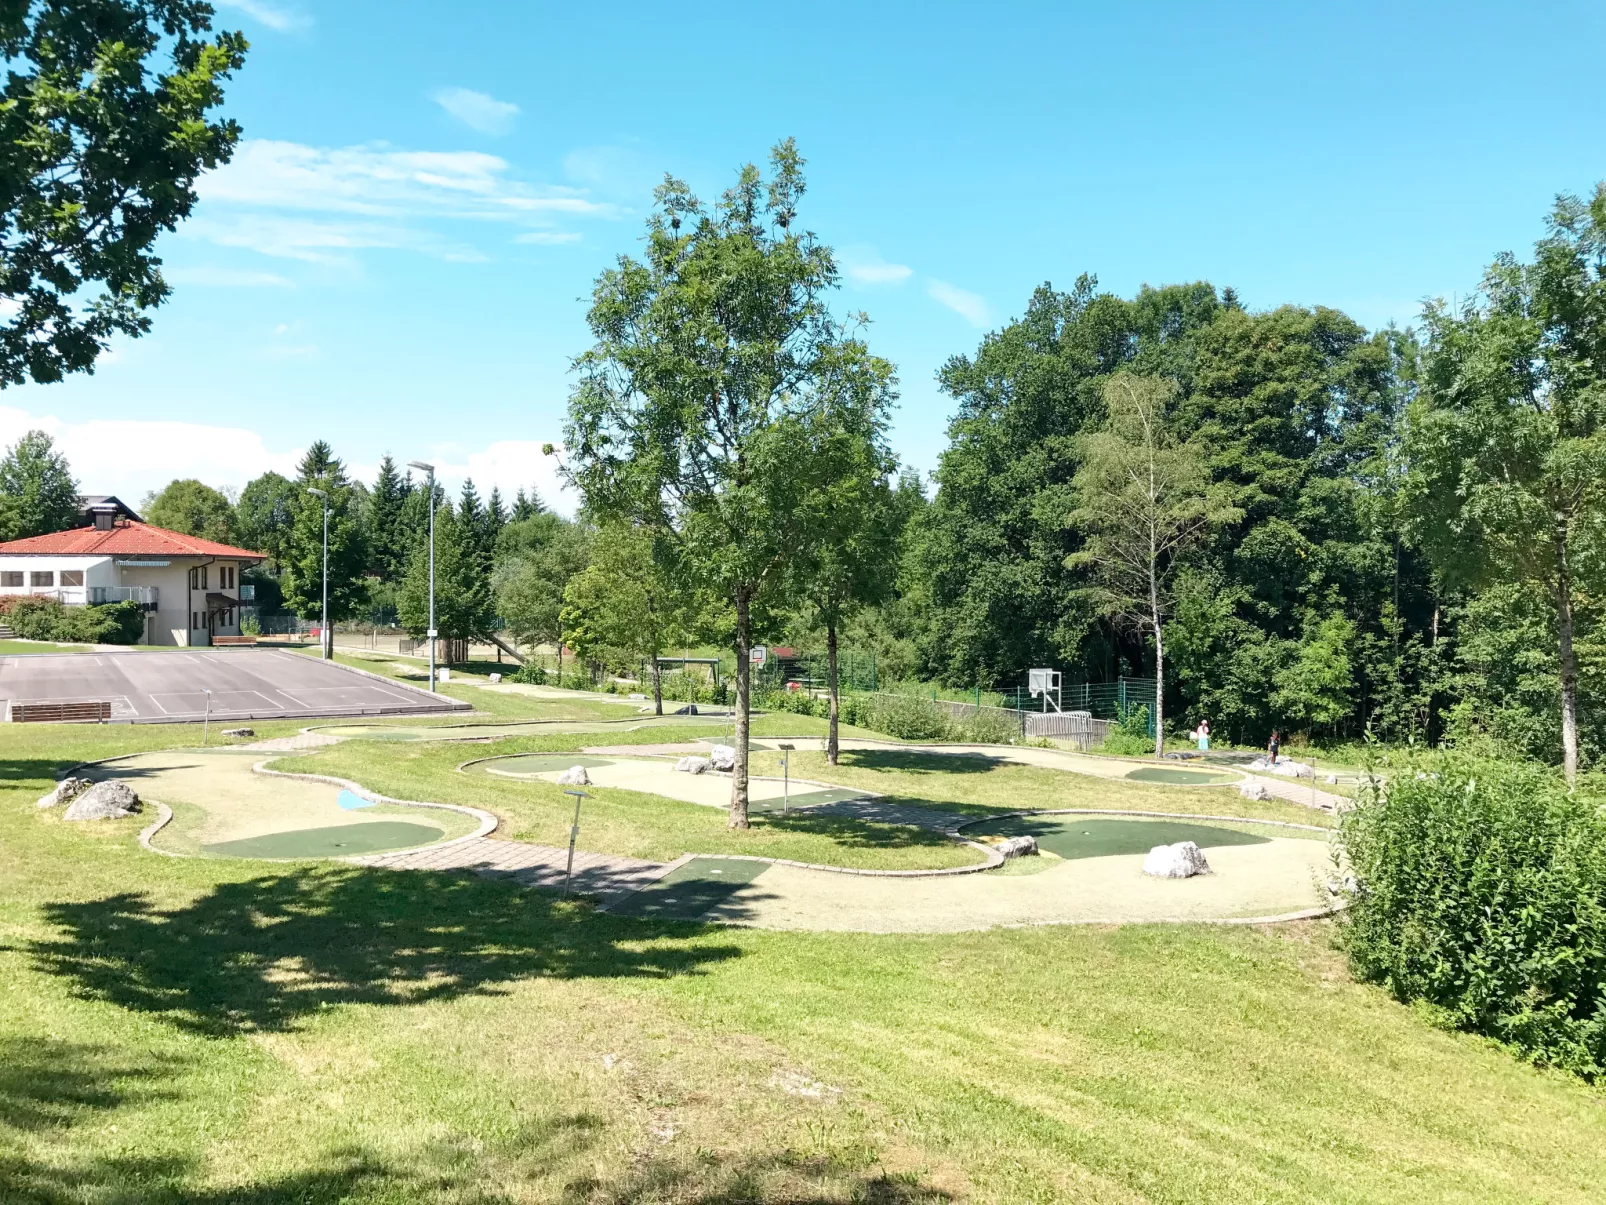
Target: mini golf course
[658, 776]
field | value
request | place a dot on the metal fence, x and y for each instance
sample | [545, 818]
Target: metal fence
[1103, 700]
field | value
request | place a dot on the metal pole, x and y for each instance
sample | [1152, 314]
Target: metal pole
[328, 636]
[786, 778]
[574, 834]
[206, 720]
[432, 589]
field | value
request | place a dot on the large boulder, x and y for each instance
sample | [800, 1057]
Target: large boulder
[65, 791]
[1253, 788]
[574, 776]
[107, 800]
[694, 765]
[1016, 847]
[723, 757]
[1283, 767]
[1180, 861]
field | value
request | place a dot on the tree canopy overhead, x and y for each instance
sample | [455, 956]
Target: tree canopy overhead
[107, 121]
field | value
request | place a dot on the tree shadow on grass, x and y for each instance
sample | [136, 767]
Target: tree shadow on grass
[46, 1083]
[265, 953]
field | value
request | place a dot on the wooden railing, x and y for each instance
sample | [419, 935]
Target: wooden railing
[61, 713]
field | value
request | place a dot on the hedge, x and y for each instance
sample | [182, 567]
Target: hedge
[36, 617]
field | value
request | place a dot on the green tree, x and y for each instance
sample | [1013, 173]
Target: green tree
[37, 492]
[849, 520]
[463, 610]
[389, 553]
[303, 552]
[526, 505]
[623, 601]
[264, 515]
[193, 508]
[688, 418]
[1144, 498]
[538, 557]
[1507, 445]
[1316, 688]
[105, 121]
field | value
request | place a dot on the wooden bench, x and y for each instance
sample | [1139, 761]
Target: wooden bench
[61, 713]
[221, 640]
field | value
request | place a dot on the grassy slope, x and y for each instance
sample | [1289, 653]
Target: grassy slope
[177, 1030]
[626, 822]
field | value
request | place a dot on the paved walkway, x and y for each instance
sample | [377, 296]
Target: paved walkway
[605, 875]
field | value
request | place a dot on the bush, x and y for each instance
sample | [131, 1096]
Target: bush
[909, 717]
[1480, 892]
[528, 674]
[795, 702]
[987, 728]
[34, 617]
[1130, 736]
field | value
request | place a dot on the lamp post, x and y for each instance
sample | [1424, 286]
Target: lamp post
[325, 641]
[430, 489]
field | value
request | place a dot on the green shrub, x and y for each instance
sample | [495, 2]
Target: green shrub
[250, 626]
[987, 728]
[528, 674]
[685, 688]
[37, 618]
[795, 702]
[909, 717]
[1480, 891]
[1130, 736]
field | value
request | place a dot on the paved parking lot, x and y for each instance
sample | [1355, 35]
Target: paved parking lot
[246, 684]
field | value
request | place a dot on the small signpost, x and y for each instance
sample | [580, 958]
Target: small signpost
[574, 835]
[786, 777]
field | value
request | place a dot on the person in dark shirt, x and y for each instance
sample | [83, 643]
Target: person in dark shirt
[1274, 746]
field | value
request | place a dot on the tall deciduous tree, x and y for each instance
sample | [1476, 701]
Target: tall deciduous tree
[1507, 444]
[1143, 497]
[194, 508]
[538, 557]
[625, 601]
[265, 514]
[688, 415]
[37, 492]
[850, 520]
[106, 127]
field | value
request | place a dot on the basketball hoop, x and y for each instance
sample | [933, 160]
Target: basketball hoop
[1044, 684]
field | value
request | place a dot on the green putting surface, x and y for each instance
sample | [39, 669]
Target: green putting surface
[1075, 837]
[1184, 778]
[803, 799]
[543, 763]
[688, 891]
[338, 841]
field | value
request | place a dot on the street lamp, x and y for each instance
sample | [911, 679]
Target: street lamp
[325, 641]
[429, 488]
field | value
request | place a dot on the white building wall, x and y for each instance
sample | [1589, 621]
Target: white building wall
[180, 616]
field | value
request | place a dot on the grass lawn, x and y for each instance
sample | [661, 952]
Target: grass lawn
[626, 822]
[10, 648]
[208, 1031]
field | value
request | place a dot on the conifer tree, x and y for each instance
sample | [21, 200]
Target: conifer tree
[387, 553]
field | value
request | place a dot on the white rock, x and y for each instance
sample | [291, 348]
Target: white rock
[1015, 847]
[1180, 861]
[1284, 768]
[494, 679]
[104, 801]
[1331, 779]
[65, 791]
[694, 765]
[1253, 788]
[723, 757]
[574, 776]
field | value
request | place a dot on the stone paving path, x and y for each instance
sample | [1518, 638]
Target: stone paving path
[605, 875]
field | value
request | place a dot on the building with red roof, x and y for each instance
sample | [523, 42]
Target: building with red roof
[189, 587]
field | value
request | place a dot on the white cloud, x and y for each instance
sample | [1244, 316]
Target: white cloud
[549, 237]
[226, 278]
[970, 306]
[320, 204]
[274, 16]
[130, 457]
[866, 267]
[477, 110]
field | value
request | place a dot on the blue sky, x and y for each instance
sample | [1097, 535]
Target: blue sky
[398, 258]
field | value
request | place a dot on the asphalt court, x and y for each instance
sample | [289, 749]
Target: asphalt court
[246, 684]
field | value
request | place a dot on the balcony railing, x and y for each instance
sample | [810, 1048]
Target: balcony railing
[145, 596]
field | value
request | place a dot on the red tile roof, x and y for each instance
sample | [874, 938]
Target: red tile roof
[126, 538]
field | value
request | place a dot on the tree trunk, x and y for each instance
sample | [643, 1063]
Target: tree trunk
[834, 690]
[657, 686]
[744, 682]
[1159, 666]
[1569, 665]
[560, 663]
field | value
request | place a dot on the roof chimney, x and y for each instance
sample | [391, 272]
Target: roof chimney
[105, 517]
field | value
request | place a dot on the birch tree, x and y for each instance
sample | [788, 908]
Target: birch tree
[1144, 497]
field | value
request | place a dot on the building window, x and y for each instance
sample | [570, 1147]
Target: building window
[11, 577]
[45, 578]
[72, 577]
